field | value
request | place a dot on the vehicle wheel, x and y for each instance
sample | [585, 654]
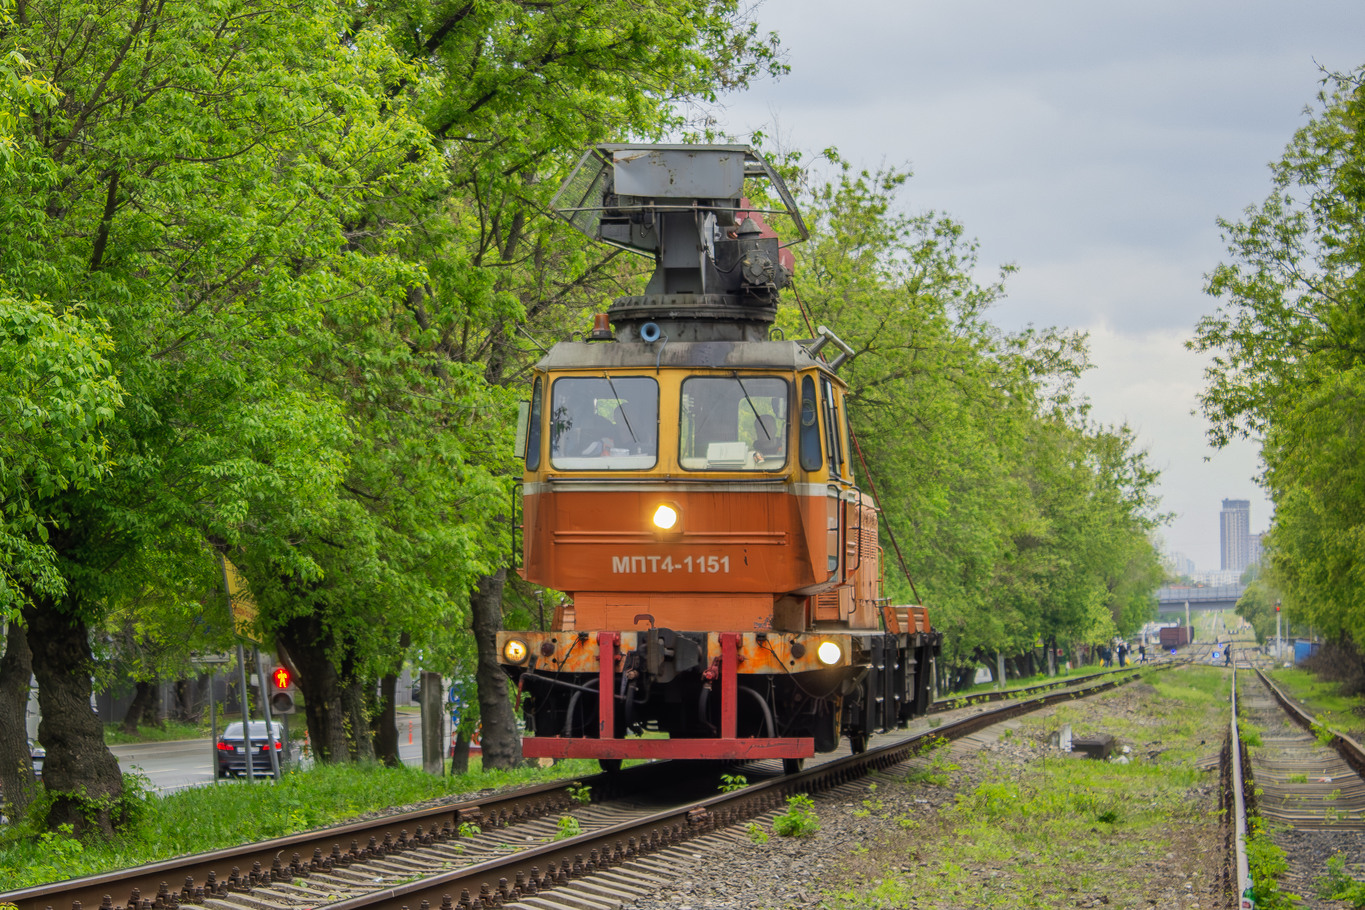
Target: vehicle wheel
[609, 765]
[857, 743]
[792, 765]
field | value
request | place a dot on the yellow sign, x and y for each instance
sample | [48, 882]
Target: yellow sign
[240, 601]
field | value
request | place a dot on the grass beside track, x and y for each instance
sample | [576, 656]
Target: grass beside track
[227, 815]
[1042, 832]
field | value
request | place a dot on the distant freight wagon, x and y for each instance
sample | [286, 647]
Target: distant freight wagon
[1175, 636]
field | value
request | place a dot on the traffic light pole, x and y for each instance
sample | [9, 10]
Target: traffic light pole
[246, 713]
[269, 726]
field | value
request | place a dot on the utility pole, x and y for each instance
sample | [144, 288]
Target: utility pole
[1279, 646]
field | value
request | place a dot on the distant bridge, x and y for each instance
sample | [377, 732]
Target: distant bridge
[1172, 599]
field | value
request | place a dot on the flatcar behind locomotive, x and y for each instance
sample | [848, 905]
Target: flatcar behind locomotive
[688, 486]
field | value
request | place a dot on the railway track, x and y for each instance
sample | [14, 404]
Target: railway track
[1304, 780]
[508, 848]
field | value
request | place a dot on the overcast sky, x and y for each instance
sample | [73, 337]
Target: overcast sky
[1091, 144]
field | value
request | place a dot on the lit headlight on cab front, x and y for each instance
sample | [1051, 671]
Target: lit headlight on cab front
[829, 653]
[665, 517]
[515, 651]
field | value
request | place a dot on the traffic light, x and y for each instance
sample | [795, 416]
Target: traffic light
[282, 694]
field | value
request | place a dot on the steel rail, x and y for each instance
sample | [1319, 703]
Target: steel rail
[250, 863]
[1348, 748]
[191, 880]
[960, 701]
[532, 871]
[1241, 861]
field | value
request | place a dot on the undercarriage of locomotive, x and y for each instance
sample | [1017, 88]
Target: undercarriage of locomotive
[667, 686]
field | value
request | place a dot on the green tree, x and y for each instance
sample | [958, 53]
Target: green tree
[1017, 519]
[512, 92]
[1288, 357]
[187, 188]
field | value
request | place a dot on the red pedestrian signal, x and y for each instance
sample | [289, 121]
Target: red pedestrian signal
[282, 699]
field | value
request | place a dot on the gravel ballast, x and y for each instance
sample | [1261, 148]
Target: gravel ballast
[900, 845]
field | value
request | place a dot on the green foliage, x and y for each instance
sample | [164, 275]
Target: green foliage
[579, 793]
[1102, 822]
[799, 820]
[729, 783]
[756, 833]
[1022, 518]
[567, 827]
[172, 731]
[309, 371]
[469, 829]
[1268, 863]
[938, 771]
[59, 851]
[1338, 885]
[1287, 369]
[200, 819]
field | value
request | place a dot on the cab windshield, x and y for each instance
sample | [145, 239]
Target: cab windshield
[604, 423]
[733, 423]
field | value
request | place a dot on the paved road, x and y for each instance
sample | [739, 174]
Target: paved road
[189, 762]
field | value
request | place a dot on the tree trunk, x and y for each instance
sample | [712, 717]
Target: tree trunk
[386, 722]
[360, 745]
[501, 742]
[386, 719]
[459, 756]
[137, 708]
[17, 782]
[155, 713]
[308, 648]
[79, 771]
[187, 698]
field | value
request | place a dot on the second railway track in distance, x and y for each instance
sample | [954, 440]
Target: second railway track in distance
[500, 849]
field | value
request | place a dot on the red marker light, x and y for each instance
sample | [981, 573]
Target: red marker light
[281, 677]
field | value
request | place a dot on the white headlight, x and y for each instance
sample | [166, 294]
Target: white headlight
[829, 653]
[665, 517]
[514, 650]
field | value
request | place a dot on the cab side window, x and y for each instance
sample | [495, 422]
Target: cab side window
[833, 422]
[533, 429]
[811, 456]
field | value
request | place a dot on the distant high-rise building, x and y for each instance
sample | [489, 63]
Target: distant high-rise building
[1234, 525]
[1257, 549]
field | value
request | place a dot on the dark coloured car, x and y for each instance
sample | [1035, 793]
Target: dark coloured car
[233, 751]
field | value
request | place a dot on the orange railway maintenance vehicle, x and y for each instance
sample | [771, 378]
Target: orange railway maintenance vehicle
[688, 486]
